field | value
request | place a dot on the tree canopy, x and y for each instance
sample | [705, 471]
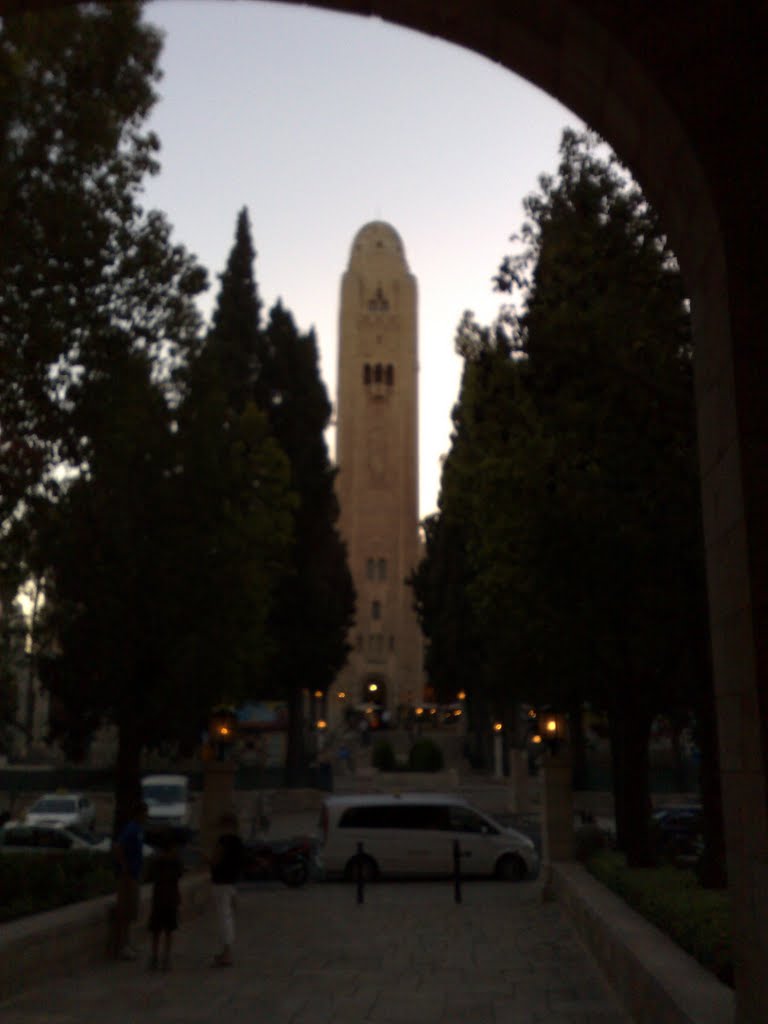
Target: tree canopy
[572, 477]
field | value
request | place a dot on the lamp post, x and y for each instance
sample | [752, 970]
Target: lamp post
[498, 749]
[218, 773]
[557, 793]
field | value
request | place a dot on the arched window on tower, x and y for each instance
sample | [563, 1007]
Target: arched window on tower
[390, 375]
[367, 373]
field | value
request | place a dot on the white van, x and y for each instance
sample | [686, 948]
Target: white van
[414, 834]
[167, 800]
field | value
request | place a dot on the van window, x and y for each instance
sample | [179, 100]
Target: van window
[463, 819]
[404, 816]
[164, 793]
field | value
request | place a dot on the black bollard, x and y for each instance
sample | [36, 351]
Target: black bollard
[360, 880]
[456, 871]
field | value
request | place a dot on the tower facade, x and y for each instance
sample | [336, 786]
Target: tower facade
[378, 479]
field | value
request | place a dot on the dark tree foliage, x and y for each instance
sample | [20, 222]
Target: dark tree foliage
[573, 473]
[158, 536]
[314, 598]
[236, 325]
[75, 88]
[315, 606]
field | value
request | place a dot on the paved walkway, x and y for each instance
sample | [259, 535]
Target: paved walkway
[408, 955]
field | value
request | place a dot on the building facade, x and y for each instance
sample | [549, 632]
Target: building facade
[378, 479]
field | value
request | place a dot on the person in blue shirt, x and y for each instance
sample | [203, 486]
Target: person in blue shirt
[129, 854]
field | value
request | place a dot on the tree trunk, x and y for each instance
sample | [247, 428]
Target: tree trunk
[713, 870]
[677, 723]
[578, 744]
[630, 728]
[295, 755]
[127, 772]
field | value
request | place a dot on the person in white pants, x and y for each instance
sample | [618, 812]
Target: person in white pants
[226, 869]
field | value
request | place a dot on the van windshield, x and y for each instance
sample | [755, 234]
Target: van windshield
[163, 793]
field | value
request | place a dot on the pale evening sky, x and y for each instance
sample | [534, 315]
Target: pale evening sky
[320, 122]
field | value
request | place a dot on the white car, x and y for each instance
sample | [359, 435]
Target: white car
[62, 809]
[168, 802]
[417, 834]
[22, 837]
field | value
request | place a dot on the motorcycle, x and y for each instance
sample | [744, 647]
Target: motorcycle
[286, 860]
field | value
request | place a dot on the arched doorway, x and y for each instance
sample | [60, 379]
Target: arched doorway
[374, 699]
[680, 93]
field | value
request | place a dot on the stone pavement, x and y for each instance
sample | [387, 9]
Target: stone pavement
[408, 955]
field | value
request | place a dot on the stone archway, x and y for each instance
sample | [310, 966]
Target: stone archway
[374, 690]
[680, 92]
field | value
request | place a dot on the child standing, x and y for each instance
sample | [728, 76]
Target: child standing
[164, 872]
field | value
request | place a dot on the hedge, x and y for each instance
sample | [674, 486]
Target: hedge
[672, 899]
[31, 883]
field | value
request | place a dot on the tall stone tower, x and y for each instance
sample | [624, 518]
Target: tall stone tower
[377, 458]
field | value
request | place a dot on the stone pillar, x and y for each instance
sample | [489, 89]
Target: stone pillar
[498, 755]
[519, 781]
[557, 809]
[218, 798]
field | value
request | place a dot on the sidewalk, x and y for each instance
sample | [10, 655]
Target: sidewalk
[408, 955]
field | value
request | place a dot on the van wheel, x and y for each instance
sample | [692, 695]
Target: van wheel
[510, 868]
[364, 867]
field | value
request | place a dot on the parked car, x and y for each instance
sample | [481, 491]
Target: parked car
[23, 837]
[62, 809]
[414, 834]
[678, 829]
[168, 805]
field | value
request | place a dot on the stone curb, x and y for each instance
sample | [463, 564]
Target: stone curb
[58, 941]
[656, 981]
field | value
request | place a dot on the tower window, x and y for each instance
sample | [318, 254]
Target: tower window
[379, 302]
[376, 610]
[367, 373]
[390, 375]
[377, 373]
[376, 647]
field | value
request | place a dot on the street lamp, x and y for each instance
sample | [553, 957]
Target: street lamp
[222, 729]
[555, 731]
[498, 764]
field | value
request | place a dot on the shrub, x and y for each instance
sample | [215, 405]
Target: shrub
[697, 919]
[425, 756]
[383, 756]
[32, 883]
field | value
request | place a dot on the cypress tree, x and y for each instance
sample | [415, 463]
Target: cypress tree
[235, 329]
[315, 604]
